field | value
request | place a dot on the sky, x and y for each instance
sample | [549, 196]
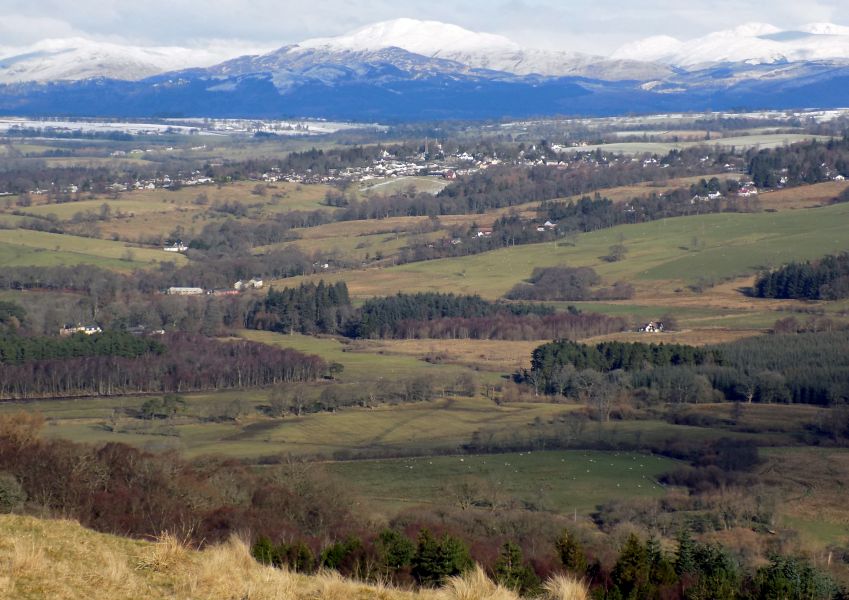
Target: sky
[592, 26]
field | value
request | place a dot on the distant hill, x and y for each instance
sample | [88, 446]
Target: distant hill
[407, 70]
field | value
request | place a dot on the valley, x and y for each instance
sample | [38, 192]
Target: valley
[345, 340]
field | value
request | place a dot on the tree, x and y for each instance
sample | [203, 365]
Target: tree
[571, 553]
[437, 559]
[631, 572]
[616, 252]
[790, 578]
[396, 550]
[278, 402]
[264, 552]
[512, 572]
[12, 494]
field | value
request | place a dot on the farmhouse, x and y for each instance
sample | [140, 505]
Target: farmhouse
[255, 283]
[177, 246]
[652, 327]
[69, 330]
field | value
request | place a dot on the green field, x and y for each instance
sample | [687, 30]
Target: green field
[20, 248]
[564, 481]
[732, 245]
[130, 207]
[427, 185]
[421, 427]
[361, 364]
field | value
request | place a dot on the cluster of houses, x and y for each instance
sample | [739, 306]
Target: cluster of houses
[69, 330]
[651, 327]
[138, 330]
[240, 286]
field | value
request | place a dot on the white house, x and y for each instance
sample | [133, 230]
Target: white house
[177, 246]
[252, 284]
[652, 327]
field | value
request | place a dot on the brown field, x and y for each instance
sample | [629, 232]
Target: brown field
[691, 337]
[490, 355]
[805, 196]
[813, 484]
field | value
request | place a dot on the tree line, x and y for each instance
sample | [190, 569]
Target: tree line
[799, 164]
[806, 368]
[823, 279]
[180, 363]
[17, 349]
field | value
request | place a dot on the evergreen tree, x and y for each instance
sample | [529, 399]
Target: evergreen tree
[511, 571]
[630, 575]
[571, 553]
[437, 559]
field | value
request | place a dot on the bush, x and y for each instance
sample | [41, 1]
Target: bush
[12, 495]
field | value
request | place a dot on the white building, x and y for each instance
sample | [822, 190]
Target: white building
[69, 330]
[185, 291]
[177, 246]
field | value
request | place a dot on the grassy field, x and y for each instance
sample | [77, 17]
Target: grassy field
[658, 258]
[762, 141]
[417, 427]
[363, 361]
[805, 196]
[565, 482]
[485, 355]
[139, 213]
[35, 248]
[812, 483]
[428, 185]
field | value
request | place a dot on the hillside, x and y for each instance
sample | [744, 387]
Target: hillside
[62, 560]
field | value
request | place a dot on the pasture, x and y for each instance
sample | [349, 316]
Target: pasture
[659, 259]
[426, 185]
[566, 482]
[760, 141]
[20, 247]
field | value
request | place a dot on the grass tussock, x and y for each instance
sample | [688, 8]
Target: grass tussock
[475, 585]
[562, 587]
[61, 560]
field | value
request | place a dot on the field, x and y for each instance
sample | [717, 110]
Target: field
[444, 424]
[427, 185]
[565, 482]
[34, 248]
[762, 141]
[659, 258]
[812, 482]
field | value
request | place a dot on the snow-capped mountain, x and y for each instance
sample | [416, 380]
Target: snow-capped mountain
[488, 51]
[75, 59]
[423, 70]
[752, 44]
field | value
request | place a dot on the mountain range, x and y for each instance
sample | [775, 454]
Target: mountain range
[417, 70]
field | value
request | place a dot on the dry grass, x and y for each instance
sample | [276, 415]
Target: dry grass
[563, 587]
[805, 196]
[475, 585]
[691, 337]
[61, 560]
[490, 355]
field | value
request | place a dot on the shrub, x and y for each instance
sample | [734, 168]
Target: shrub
[12, 495]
